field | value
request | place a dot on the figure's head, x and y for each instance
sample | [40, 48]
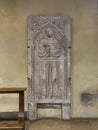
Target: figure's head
[49, 32]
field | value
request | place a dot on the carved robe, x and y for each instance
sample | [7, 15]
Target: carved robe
[50, 63]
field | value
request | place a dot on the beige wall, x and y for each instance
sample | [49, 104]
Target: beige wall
[13, 47]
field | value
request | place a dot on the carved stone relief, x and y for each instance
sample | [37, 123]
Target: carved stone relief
[49, 62]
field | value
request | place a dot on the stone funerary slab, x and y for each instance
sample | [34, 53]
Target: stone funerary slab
[49, 63]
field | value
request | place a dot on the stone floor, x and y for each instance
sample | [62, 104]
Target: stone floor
[56, 124]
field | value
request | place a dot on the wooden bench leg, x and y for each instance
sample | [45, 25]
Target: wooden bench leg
[21, 109]
[21, 120]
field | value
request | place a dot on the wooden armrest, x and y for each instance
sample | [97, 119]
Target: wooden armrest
[11, 90]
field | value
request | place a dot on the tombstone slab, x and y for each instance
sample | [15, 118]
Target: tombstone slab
[49, 63]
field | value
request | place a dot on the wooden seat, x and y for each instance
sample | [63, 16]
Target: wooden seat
[10, 125]
[21, 123]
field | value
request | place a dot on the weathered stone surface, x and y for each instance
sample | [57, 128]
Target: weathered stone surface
[49, 61]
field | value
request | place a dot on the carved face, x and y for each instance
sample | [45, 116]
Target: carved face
[49, 32]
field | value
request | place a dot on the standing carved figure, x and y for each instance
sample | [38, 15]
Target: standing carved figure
[49, 50]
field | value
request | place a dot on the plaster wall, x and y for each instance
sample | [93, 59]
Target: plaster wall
[13, 48]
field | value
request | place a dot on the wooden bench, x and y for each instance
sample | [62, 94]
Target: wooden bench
[21, 121]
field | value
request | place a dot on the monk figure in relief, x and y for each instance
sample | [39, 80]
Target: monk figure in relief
[49, 46]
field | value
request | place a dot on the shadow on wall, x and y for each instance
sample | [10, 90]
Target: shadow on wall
[89, 98]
